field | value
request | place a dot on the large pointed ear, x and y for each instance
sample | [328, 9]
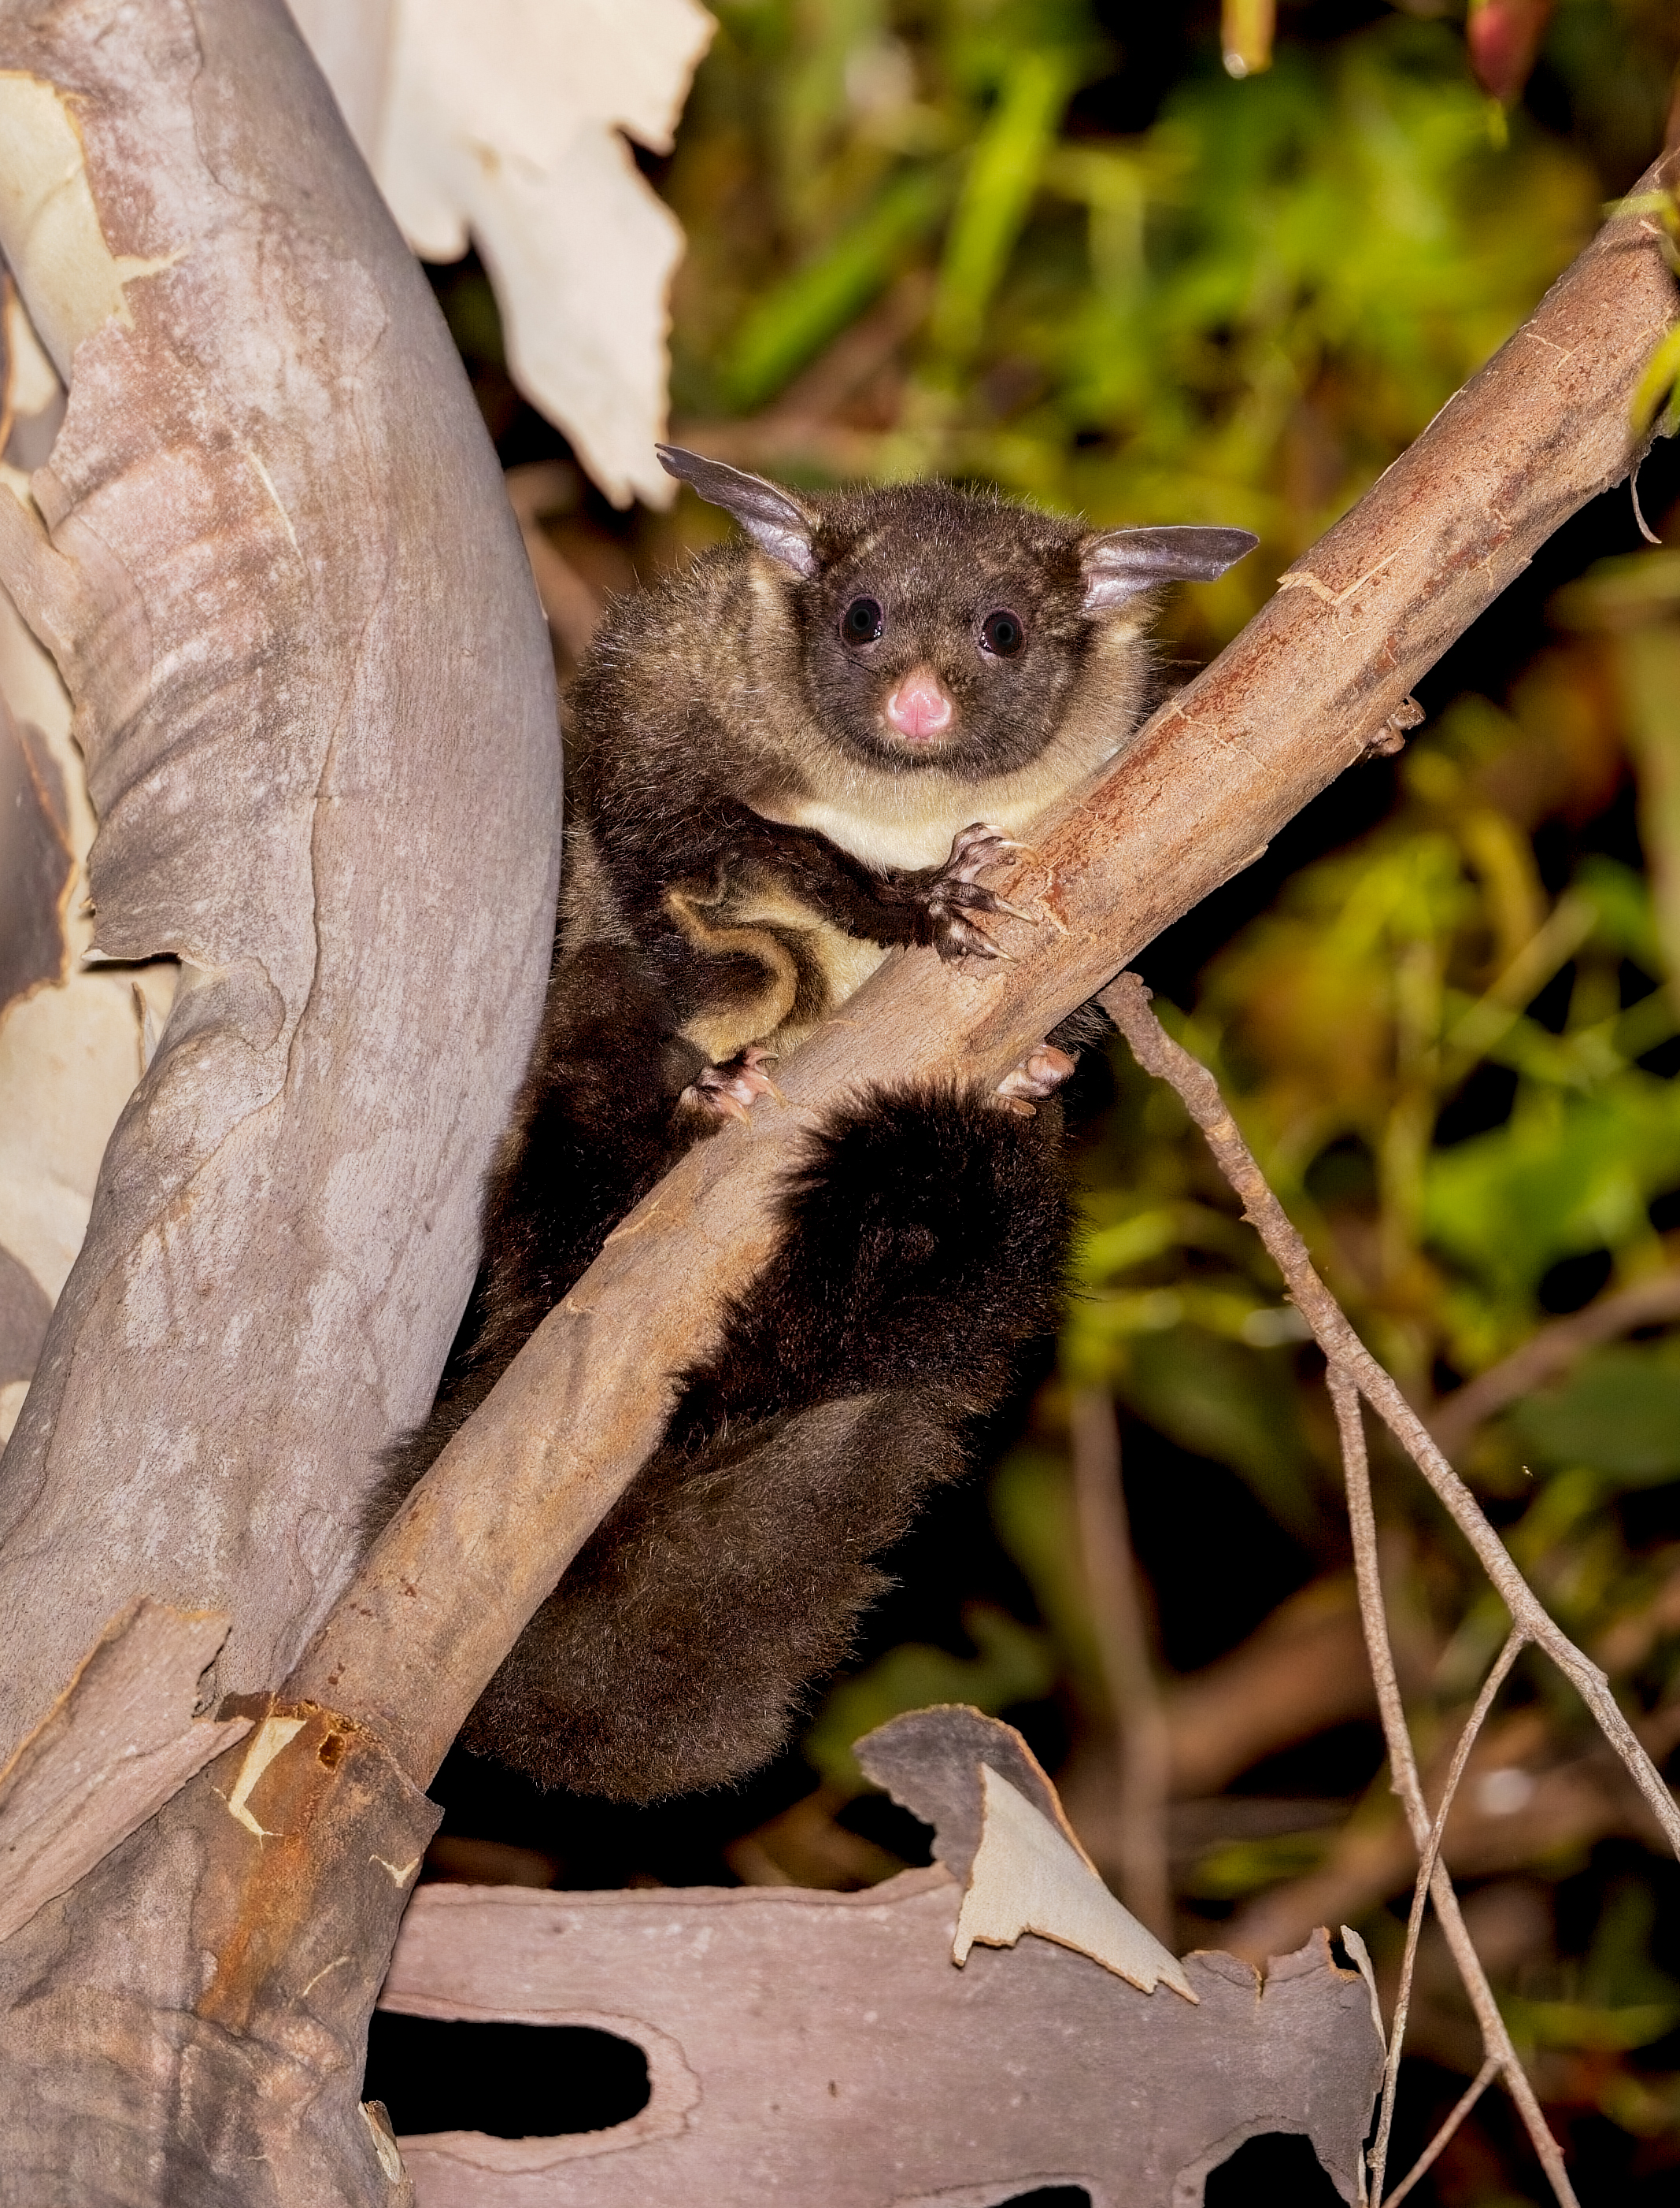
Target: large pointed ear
[1120, 563]
[775, 524]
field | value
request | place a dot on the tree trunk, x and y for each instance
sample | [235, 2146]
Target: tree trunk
[272, 556]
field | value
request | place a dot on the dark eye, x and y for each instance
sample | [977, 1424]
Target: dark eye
[1002, 634]
[862, 621]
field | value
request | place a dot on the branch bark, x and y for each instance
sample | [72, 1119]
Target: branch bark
[1313, 682]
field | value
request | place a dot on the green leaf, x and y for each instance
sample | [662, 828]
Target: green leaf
[1657, 383]
[1619, 1413]
[1013, 1663]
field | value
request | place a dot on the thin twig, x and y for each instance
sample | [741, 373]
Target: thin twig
[1127, 1002]
[1549, 1351]
[1426, 2160]
[1142, 1745]
[1515, 1644]
[1403, 1767]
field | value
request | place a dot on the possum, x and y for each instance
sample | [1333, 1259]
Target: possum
[780, 764]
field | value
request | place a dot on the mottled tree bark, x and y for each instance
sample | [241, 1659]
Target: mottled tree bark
[273, 558]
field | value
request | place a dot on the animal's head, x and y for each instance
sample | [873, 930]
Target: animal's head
[942, 628]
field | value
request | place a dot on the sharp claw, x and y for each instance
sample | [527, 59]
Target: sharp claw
[731, 1090]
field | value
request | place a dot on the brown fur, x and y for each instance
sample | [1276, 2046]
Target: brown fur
[748, 837]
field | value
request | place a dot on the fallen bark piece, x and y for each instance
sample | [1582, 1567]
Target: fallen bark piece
[929, 1762]
[816, 2047]
[1026, 1878]
[117, 1743]
[1001, 1831]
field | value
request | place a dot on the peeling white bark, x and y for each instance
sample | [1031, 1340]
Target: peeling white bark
[272, 556]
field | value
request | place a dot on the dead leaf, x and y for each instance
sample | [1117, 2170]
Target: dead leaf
[499, 121]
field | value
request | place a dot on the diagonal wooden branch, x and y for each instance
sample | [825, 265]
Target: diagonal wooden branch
[1313, 682]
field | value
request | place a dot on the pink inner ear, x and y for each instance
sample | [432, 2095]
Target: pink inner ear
[920, 706]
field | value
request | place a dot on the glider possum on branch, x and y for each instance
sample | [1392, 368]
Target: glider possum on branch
[780, 764]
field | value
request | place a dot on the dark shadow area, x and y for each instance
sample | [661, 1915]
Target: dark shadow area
[1049, 2196]
[512, 2081]
[1268, 2172]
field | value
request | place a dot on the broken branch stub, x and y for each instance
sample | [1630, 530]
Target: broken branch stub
[1313, 680]
[267, 552]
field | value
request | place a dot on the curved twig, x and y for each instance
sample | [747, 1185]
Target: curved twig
[1403, 1766]
[1127, 1002]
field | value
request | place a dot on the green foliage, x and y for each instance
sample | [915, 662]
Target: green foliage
[1010, 1664]
[1241, 314]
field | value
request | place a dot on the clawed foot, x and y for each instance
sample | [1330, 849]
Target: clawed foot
[954, 896]
[1039, 1074]
[728, 1091]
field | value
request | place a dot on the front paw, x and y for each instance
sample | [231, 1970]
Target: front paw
[953, 896]
[728, 1091]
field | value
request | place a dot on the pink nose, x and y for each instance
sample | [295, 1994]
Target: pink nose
[920, 706]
